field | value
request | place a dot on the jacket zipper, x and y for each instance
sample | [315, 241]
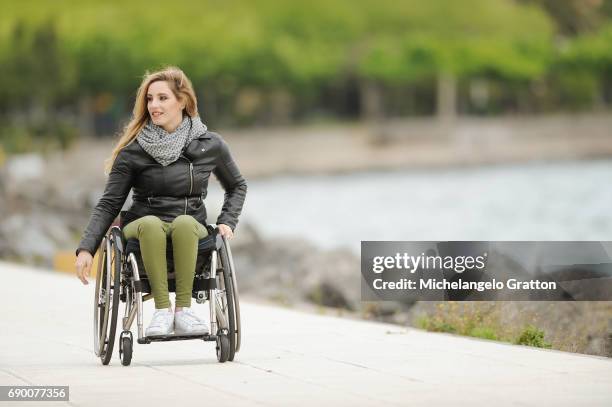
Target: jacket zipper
[191, 175]
[190, 181]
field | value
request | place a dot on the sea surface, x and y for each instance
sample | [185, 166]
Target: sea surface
[537, 201]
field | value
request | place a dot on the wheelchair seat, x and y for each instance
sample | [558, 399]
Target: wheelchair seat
[205, 247]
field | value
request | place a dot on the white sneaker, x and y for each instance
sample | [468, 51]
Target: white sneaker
[186, 322]
[161, 324]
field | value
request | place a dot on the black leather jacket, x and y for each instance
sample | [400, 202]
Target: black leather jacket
[167, 192]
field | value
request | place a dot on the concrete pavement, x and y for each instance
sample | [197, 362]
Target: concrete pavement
[288, 358]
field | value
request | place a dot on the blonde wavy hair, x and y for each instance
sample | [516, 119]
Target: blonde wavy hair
[181, 87]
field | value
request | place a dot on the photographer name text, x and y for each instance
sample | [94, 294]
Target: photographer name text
[444, 284]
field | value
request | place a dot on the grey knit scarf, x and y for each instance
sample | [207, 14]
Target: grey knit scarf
[166, 147]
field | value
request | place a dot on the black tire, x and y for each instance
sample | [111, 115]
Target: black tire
[99, 309]
[229, 295]
[223, 348]
[125, 351]
[114, 257]
[102, 303]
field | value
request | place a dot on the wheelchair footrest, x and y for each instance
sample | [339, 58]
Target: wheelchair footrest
[168, 338]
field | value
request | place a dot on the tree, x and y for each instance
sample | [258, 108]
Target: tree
[446, 39]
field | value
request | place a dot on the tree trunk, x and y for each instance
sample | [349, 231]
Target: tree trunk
[86, 119]
[447, 97]
[371, 108]
[372, 112]
[281, 106]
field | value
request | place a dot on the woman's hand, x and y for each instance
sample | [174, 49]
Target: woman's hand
[83, 266]
[225, 231]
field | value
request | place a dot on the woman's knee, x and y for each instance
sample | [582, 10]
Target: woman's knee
[150, 224]
[184, 224]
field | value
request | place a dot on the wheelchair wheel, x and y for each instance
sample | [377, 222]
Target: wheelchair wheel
[125, 348]
[227, 301]
[223, 348]
[106, 297]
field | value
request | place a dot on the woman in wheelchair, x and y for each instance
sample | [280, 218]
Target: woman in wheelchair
[165, 155]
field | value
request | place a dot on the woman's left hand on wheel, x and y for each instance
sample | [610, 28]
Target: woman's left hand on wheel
[225, 231]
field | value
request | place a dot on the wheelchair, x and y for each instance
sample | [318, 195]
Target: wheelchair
[121, 277]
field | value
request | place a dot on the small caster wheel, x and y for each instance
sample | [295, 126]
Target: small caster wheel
[125, 348]
[223, 348]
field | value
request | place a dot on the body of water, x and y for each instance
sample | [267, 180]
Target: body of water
[543, 201]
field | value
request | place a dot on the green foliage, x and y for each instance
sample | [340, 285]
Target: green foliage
[418, 39]
[576, 88]
[50, 135]
[35, 67]
[479, 321]
[57, 54]
[575, 16]
[435, 325]
[462, 319]
[592, 51]
[441, 325]
[532, 336]
[484, 333]
[271, 42]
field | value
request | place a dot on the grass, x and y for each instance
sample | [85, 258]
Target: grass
[480, 321]
[532, 336]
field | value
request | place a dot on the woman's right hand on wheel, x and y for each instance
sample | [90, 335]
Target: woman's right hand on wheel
[83, 266]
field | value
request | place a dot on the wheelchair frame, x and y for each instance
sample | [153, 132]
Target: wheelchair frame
[118, 278]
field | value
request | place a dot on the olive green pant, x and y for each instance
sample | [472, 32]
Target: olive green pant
[152, 233]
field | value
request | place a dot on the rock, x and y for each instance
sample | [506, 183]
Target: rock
[24, 167]
[25, 240]
[34, 237]
[329, 295]
[293, 270]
